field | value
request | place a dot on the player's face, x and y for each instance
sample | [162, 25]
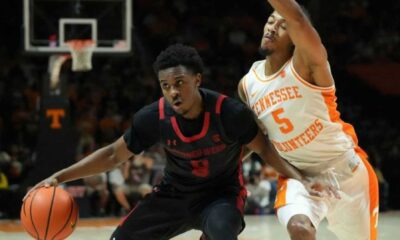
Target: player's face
[180, 88]
[275, 37]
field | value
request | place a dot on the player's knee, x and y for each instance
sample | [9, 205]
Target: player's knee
[301, 229]
[223, 223]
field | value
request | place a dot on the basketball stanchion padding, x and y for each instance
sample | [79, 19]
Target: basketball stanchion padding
[49, 213]
[81, 52]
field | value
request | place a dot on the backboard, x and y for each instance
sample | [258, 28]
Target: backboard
[49, 24]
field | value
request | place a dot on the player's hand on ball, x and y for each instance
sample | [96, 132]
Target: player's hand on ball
[48, 182]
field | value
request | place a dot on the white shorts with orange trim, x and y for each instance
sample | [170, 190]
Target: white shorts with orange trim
[353, 217]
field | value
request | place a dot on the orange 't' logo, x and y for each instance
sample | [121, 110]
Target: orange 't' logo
[55, 115]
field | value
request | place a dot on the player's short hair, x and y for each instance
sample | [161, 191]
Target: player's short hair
[179, 54]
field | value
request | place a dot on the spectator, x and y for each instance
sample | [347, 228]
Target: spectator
[258, 195]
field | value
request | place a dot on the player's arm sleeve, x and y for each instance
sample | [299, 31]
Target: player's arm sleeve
[144, 131]
[238, 121]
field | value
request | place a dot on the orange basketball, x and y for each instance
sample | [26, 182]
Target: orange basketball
[49, 213]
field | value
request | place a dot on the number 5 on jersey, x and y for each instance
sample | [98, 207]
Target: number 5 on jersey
[285, 125]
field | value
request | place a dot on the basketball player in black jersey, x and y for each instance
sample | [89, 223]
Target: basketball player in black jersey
[203, 133]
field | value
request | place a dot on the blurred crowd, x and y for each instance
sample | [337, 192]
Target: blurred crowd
[227, 35]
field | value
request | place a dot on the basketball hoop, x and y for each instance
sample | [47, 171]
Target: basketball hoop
[81, 52]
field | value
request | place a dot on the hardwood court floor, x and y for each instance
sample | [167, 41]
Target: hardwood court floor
[258, 228]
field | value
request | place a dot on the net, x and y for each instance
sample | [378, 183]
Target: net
[81, 52]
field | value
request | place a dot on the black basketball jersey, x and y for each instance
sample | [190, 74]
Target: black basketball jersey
[205, 161]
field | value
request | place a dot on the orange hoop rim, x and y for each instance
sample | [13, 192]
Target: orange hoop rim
[79, 44]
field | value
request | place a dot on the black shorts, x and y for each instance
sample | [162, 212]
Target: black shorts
[166, 213]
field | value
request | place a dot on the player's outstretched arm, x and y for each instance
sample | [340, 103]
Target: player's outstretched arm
[263, 147]
[310, 58]
[99, 161]
[303, 34]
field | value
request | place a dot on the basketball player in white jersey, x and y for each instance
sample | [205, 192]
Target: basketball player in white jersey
[292, 93]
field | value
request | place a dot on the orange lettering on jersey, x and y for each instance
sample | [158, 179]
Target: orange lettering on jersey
[307, 133]
[297, 140]
[296, 92]
[313, 129]
[55, 115]
[274, 97]
[262, 106]
[293, 143]
[271, 97]
[278, 95]
[289, 92]
[287, 146]
[304, 139]
[318, 125]
[267, 101]
[300, 140]
[284, 95]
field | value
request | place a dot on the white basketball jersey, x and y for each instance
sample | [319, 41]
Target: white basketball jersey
[301, 119]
